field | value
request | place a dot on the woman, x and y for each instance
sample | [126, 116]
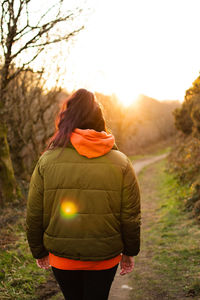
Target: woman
[83, 211]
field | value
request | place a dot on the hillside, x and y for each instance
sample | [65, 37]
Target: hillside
[148, 121]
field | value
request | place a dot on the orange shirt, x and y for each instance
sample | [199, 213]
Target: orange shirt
[71, 264]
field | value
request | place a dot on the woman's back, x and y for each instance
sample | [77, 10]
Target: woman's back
[82, 201]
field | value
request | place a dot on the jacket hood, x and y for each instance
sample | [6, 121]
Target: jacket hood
[91, 143]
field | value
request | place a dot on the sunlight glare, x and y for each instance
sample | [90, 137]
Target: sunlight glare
[127, 97]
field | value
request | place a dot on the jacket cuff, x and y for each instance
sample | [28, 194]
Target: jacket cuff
[130, 253]
[37, 254]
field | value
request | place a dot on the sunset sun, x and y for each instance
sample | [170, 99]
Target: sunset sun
[127, 97]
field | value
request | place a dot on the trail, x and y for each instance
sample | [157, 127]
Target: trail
[139, 165]
[121, 286]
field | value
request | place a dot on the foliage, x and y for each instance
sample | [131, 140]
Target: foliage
[19, 274]
[187, 117]
[184, 162]
[185, 157]
[183, 120]
[30, 118]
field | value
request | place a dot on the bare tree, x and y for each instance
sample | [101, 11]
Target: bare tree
[25, 36]
[30, 122]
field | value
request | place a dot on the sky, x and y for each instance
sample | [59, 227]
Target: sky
[132, 47]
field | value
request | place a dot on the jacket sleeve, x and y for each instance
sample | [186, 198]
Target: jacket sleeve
[130, 212]
[34, 217]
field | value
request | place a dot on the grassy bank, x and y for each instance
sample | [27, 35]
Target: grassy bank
[19, 275]
[168, 266]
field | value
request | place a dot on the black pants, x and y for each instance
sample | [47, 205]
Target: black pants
[85, 285]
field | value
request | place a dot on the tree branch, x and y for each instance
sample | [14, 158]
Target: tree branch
[57, 40]
[19, 11]
[44, 29]
[45, 14]
[19, 70]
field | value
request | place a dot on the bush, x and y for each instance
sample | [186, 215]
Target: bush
[196, 209]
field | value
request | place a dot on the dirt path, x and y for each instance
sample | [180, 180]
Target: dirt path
[121, 286]
[139, 165]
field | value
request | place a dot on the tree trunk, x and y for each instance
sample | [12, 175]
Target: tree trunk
[9, 190]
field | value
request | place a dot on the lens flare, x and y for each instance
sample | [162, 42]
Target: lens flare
[68, 209]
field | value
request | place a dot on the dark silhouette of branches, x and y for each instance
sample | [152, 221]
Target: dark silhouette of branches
[19, 36]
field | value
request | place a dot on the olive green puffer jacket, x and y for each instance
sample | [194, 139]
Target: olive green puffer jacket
[83, 208]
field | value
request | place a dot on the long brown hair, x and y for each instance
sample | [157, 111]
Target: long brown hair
[81, 111]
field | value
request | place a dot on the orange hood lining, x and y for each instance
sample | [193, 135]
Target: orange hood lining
[91, 143]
